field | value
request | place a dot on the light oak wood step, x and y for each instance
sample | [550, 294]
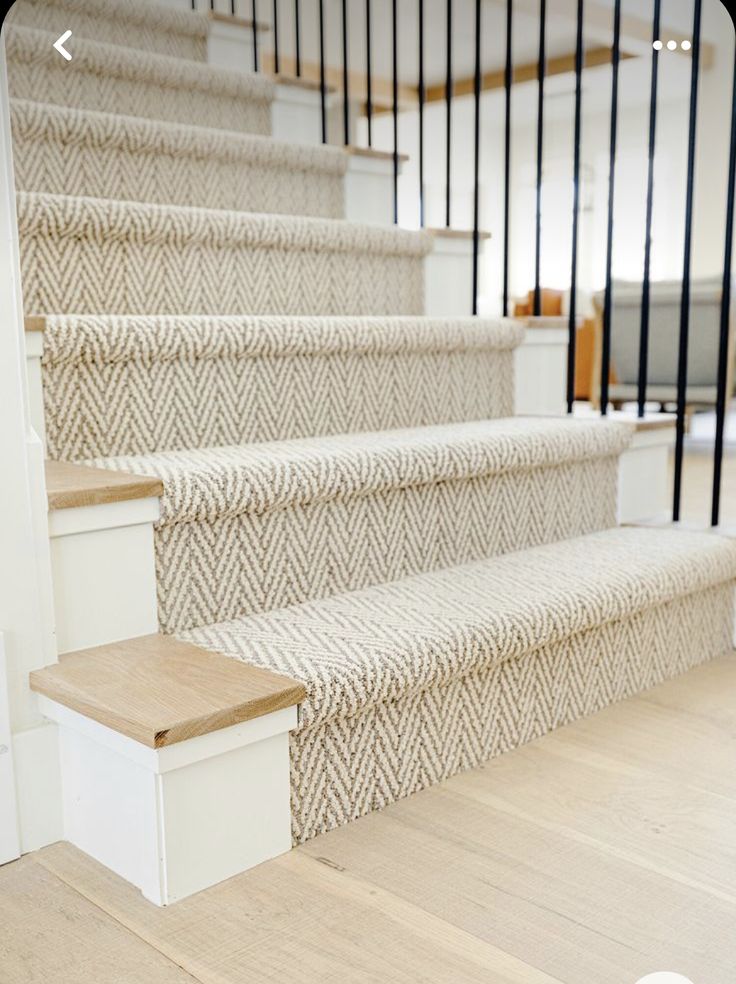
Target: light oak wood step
[70, 485]
[160, 691]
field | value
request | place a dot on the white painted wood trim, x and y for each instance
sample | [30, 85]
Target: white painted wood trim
[26, 600]
[9, 833]
[448, 278]
[540, 372]
[296, 114]
[369, 190]
[643, 476]
[230, 46]
[34, 353]
[104, 573]
[176, 820]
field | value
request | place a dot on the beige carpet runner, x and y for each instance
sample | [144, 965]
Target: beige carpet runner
[348, 497]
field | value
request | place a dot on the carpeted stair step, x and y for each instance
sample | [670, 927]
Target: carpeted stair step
[110, 79]
[137, 24]
[91, 255]
[250, 528]
[101, 155]
[133, 384]
[410, 682]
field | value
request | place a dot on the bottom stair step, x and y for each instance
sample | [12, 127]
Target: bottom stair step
[410, 682]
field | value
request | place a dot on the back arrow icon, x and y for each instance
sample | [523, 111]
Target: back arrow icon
[59, 45]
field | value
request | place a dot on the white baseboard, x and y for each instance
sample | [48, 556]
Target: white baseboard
[38, 786]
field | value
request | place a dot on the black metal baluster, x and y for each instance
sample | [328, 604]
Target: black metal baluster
[395, 106]
[297, 40]
[345, 98]
[322, 78]
[686, 265]
[641, 397]
[448, 113]
[608, 295]
[254, 18]
[540, 154]
[421, 94]
[232, 7]
[572, 323]
[723, 353]
[276, 63]
[368, 73]
[507, 81]
[476, 157]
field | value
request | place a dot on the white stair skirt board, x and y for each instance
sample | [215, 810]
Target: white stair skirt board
[540, 367]
[177, 819]
[34, 352]
[296, 113]
[230, 45]
[448, 275]
[38, 786]
[9, 838]
[103, 571]
[369, 184]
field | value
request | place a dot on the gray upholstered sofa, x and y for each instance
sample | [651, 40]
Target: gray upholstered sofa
[664, 330]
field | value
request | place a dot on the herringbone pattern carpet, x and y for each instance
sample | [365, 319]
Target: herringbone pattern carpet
[340, 504]
[412, 681]
[101, 155]
[247, 529]
[111, 79]
[90, 255]
[177, 33]
[130, 385]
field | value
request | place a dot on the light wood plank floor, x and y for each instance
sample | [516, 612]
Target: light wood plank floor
[597, 854]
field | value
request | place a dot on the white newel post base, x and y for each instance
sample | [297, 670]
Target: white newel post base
[448, 275]
[369, 188]
[103, 570]
[540, 368]
[178, 819]
[643, 477]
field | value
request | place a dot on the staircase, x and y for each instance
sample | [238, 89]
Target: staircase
[347, 497]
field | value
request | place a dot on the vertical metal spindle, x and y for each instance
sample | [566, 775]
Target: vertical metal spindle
[322, 78]
[608, 295]
[232, 8]
[507, 81]
[421, 93]
[276, 64]
[641, 397]
[297, 40]
[448, 113]
[540, 152]
[395, 105]
[723, 353]
[686, 264]
[476, 156]
[254, 18]
[368, 73]
[345, 97]
[572, 323]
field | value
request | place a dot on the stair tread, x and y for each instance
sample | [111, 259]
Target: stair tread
[136, 12]
[380, 643]
[79, 216]
[137, 134]
[211, 483]
[119, 338]
[159, 690]
[70, 485]
[36, 46]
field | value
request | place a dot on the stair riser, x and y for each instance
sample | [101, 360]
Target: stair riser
[346, 768]
[94, 410]
[99, 25]
[213, 571]
[86, 88]
[64, 275]
[78, 167]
